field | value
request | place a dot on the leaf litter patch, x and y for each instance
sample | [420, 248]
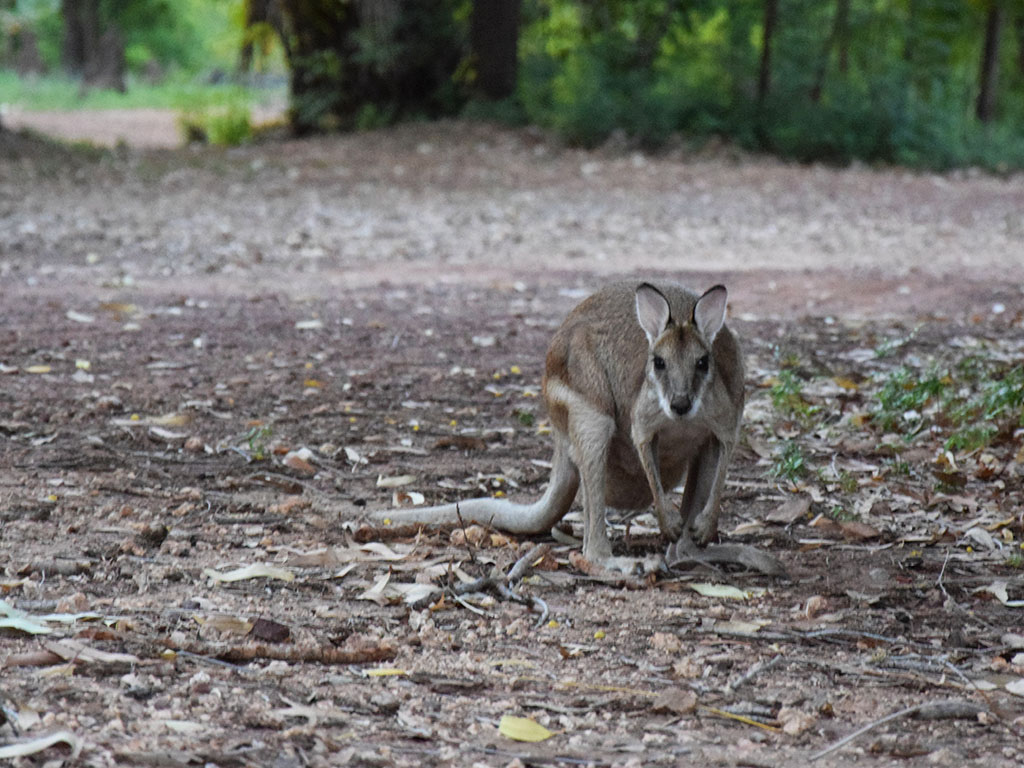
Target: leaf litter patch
[187, 548]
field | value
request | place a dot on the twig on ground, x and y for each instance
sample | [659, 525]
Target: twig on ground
[932, 710]
[465, 538]
[498, 583]
[526, 562]
[942, 572]
[366, 654]
[749, 675]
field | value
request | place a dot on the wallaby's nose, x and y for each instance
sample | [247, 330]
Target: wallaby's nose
[681, 405]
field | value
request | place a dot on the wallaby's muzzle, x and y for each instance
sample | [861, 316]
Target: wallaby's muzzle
[681, 405]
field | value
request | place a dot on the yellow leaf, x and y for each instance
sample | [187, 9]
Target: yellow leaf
[312, 383]
[599, 635]
[171, 420]
[846, 383]
[38, 369]
[515, 370]
[386, 672]
[523, 729]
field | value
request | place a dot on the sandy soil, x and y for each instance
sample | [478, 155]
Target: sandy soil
[174, 322]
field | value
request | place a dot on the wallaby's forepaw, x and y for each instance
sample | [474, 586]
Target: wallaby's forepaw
[705, 528]
[671, 526]
[634, 566]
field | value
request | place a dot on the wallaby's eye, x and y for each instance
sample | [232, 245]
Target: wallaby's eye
[702, 364]
[659, 363]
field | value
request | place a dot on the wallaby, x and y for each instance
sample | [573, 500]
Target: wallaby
[643, 385]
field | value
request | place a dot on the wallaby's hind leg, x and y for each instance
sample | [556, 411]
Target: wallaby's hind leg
[705, 479]
[590, 432]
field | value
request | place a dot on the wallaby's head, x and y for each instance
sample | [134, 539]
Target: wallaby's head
[679, 362]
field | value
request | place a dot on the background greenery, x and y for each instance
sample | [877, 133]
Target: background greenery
[892, 81]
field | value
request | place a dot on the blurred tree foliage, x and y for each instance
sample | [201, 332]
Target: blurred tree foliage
[886, 80]
[185, 35]
[934, 83]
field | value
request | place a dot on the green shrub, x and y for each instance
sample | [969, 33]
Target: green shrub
[225, 126]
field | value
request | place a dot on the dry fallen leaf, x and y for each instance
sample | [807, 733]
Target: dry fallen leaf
[725, 591]
[254, 571]
[225, 624]
[33, 746]
[395, 481]
[299, 461]
[675, 701]
[790, 511]
[407, 499]
[12, 618]
[998, 589]
[855, 530]
[826, 526]
[795, 721]
[738, 627]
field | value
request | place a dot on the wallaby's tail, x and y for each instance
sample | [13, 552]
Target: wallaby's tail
[499, 513]
[502, 514]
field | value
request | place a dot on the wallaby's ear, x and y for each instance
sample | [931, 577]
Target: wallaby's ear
[651, 310]
[709, 311]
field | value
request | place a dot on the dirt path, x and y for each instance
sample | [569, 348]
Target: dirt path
[174, 323]
[137, 128]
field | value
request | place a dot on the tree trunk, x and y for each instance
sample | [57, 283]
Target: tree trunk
[990, 63]
[839, 36]
[910, 42]
[843, 34]
[494, 38]
[1019, 26]
[764, 80]
[81, 31]
[91, 48]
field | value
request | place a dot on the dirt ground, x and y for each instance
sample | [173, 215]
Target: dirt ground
[176, 326]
